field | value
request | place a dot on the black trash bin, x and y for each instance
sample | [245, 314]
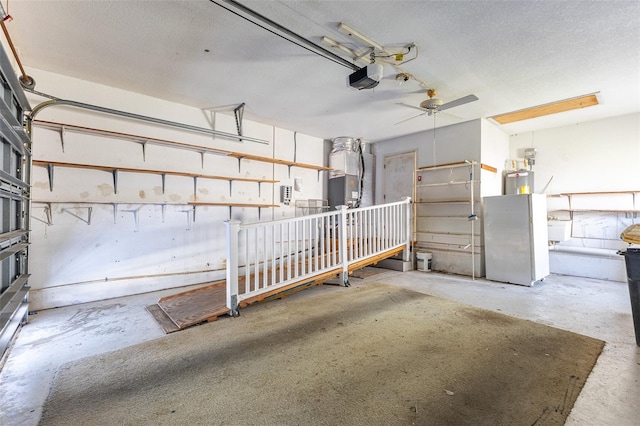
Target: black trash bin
[632, 260]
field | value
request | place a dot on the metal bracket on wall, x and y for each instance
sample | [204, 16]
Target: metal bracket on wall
[164, 178]
[144, 151]
[238, 112]
[136, 217]
[47, 214]
[295, 146]
[62, 133]
[50, 173]
[231, 187]
[195, 188]
[115, 213]
[240, 163]
[290, 166]
[115, 180]
[191, 216]
[87, 220]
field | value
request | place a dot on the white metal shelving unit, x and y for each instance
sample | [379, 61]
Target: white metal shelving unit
[448, 216]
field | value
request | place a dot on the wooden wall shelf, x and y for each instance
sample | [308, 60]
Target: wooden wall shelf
[114, 170]
[458, 164]
[143, 141]
[87, 204]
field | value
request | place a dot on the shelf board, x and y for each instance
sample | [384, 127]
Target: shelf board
[205, 203]
[156, 203]
[46, 163]
[448, 234]
[458, 164]
[458, 201]
[569, 194]
[448, 202]
[427, 185]
[174, 144]
[596, 210]
[466, 218]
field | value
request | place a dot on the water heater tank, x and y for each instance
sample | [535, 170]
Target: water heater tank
[518, 182]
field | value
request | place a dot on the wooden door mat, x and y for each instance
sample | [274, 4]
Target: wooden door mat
[195, 306]
[206, 304]
[163, 320]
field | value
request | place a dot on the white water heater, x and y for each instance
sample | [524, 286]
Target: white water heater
[518, 182]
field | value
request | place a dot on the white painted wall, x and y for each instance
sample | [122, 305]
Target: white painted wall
[453, 144]
[601, 155]
[596, 156]
[75, 262]
[495, 148]
[447, 238]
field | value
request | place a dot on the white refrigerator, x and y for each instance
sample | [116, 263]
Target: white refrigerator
[516, 238]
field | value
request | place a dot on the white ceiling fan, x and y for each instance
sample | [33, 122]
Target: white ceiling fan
[434, 105]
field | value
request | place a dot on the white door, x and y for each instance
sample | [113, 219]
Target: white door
[398, 176]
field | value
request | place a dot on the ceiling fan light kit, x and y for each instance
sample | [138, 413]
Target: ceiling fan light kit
[431, 104]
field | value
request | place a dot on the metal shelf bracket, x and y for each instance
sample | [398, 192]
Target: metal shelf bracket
[86, 220]
[115, 180]
[47, 214]
[50, 173]
[238, 112]
[136, 217]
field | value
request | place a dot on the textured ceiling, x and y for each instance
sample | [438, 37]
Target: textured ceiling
[510, 54]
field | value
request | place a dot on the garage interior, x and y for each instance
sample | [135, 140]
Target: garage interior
[136, 134]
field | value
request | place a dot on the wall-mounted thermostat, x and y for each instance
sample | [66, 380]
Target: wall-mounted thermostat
[285, 194]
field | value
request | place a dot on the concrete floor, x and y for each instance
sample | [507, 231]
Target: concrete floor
[599, 309]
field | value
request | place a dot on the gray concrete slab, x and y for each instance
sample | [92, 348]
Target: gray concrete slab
[599, 309]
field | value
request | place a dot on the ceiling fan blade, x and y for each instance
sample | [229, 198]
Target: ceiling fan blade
[410, 118]
[458, 102]
[411, 106]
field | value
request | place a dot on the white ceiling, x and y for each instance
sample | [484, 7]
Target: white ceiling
[511, 54]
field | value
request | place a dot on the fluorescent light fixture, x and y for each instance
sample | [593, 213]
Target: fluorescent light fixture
[346, 29]
[331, 42]
[547, 109]
[353, 55]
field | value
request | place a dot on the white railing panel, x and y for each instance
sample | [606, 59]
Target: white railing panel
[278, 253]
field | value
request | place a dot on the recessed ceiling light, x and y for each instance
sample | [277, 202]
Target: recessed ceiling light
[547, 109]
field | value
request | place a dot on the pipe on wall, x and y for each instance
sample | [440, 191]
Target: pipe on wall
[590, 251]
